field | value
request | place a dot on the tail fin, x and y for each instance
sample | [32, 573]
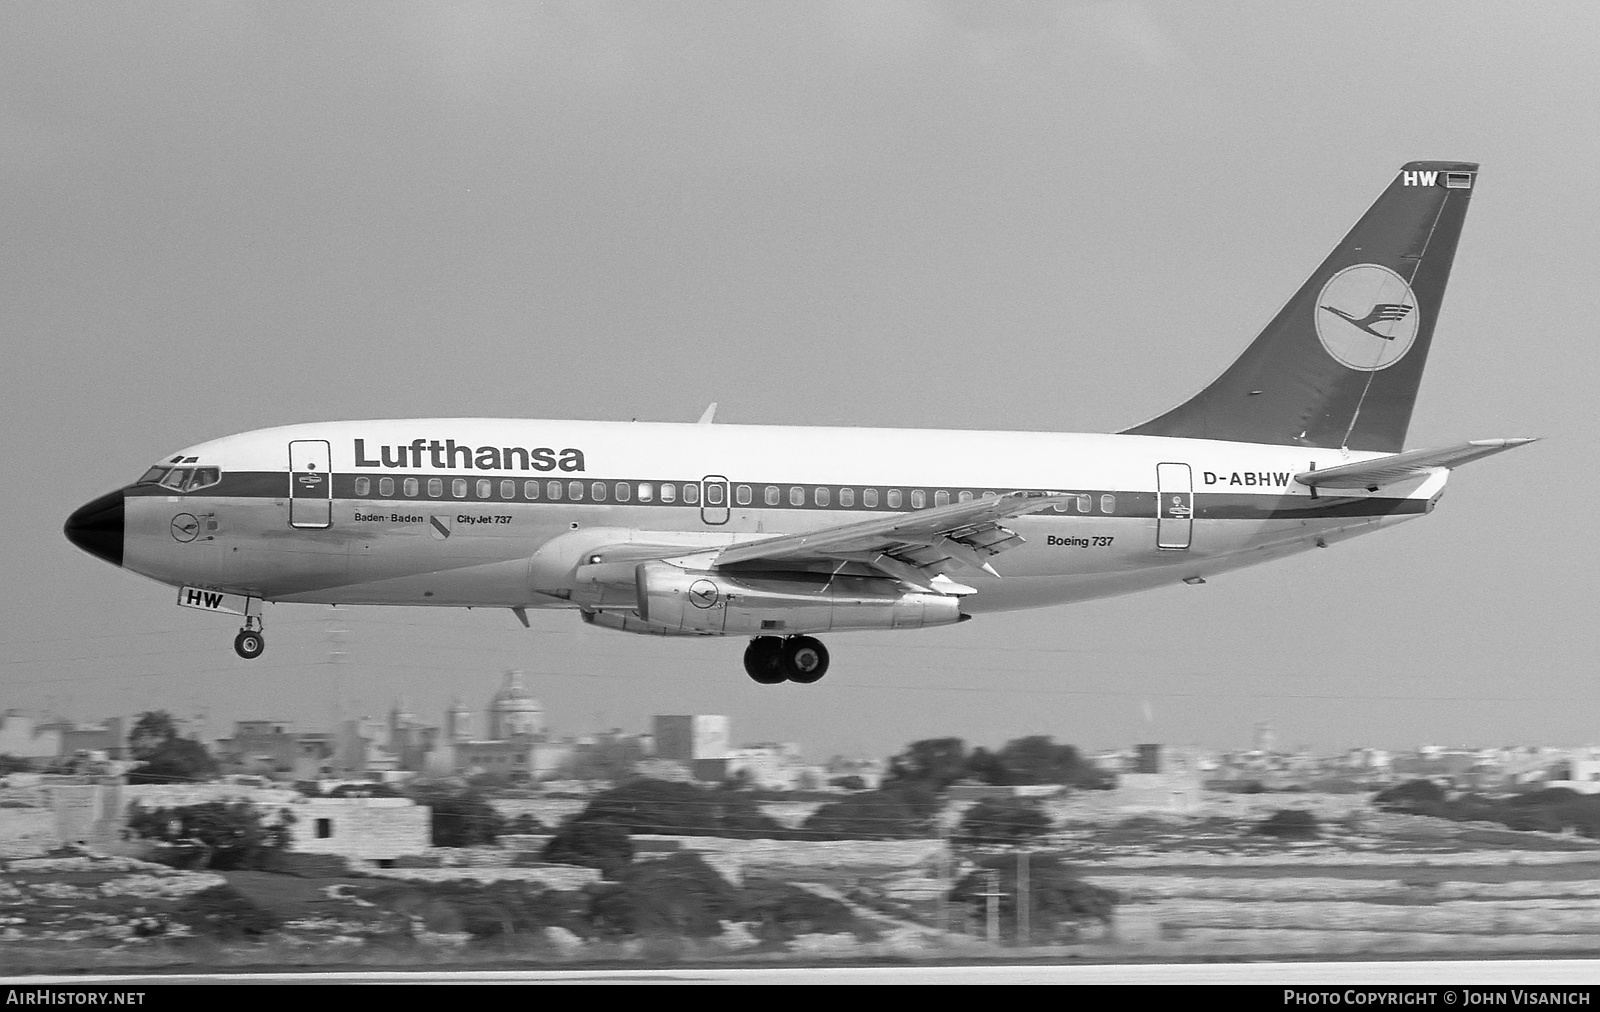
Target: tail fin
[1340, 364]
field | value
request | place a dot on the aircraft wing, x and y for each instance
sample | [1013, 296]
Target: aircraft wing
[914, 548]
[1372, 474]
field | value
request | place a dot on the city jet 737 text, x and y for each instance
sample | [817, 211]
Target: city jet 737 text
[783, 533]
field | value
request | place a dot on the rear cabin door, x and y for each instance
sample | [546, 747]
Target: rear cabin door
[310, 484]
[1175, 506]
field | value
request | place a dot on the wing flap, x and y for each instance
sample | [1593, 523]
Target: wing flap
[914, 548]
[1402, 466]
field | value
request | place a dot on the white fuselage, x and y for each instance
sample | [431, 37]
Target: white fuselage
[499, 512]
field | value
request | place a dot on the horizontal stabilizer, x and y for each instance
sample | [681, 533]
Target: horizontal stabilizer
[1401, 466]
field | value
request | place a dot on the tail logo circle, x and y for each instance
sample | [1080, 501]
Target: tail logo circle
[1367, 317]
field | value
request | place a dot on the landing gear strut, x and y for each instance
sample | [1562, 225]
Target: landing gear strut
[770, 660]
[250, 642]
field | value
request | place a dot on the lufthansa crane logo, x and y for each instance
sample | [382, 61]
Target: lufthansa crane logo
[1367, 317]
[185, 527]
[703, 594]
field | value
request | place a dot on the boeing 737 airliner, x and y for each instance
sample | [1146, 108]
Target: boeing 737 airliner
[781, 533]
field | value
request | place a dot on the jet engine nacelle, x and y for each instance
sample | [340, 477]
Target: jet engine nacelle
[689, 600]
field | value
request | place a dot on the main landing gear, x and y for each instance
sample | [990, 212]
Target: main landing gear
[250, 642]
[770, 660]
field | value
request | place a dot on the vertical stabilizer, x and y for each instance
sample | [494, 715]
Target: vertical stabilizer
[1341, 362]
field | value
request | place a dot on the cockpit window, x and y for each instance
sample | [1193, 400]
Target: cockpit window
[182, 479]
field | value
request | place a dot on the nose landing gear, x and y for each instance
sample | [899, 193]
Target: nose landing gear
[250, 643]
[769, 660]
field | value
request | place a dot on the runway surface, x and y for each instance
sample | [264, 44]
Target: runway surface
[1546, 972]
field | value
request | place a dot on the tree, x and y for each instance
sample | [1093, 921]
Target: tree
[1058, 900]
[1037, 759]
[869, 815]
[153, 729]
[166, 758]
[1002, 821]
[226, 835]
[661, 806]
[1416, 796]
[1289, 824]
[178, 761]
[462, 817]
[933, 762]
[601, 845]
[679, 895]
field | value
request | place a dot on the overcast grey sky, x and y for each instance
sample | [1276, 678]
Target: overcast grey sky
[1061, 216]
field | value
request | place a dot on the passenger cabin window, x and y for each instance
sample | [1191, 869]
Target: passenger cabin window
[485, 488]
[797, 496]
[714, 493]
[893, 498]
[1108, 504]
[646, 493]
[1085, 503]
[847, 497]
[552, 491]
[458, 488]
[624, 491]
[575, 491]
[691, 494]
[411, 487]
[820, 497]
[508, 489]
[743, 492]
[965, 496]
[669, 492]
[597, 491]
[436, 487]
[869, 498]
[386, 487]
[917, 498]
[530, 490]
[363, 486]
[941, 498]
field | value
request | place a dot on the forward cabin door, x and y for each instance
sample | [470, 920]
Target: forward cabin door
[310, 484]
[1174, 506]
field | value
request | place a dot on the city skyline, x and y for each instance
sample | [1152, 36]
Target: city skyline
[1015, 217]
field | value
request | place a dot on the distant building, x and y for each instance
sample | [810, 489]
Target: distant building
[110, 736]
[22, 737]
[370, 829]
[1162, 780]
[517, 745]
[772, 766]
[692, 738]
[271, 748]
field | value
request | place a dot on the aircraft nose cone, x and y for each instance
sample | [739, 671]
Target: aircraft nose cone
[96, 527]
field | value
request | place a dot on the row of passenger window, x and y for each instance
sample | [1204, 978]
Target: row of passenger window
[552, 491]
[670, 492]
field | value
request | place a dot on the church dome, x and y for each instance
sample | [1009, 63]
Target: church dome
[514, 697]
